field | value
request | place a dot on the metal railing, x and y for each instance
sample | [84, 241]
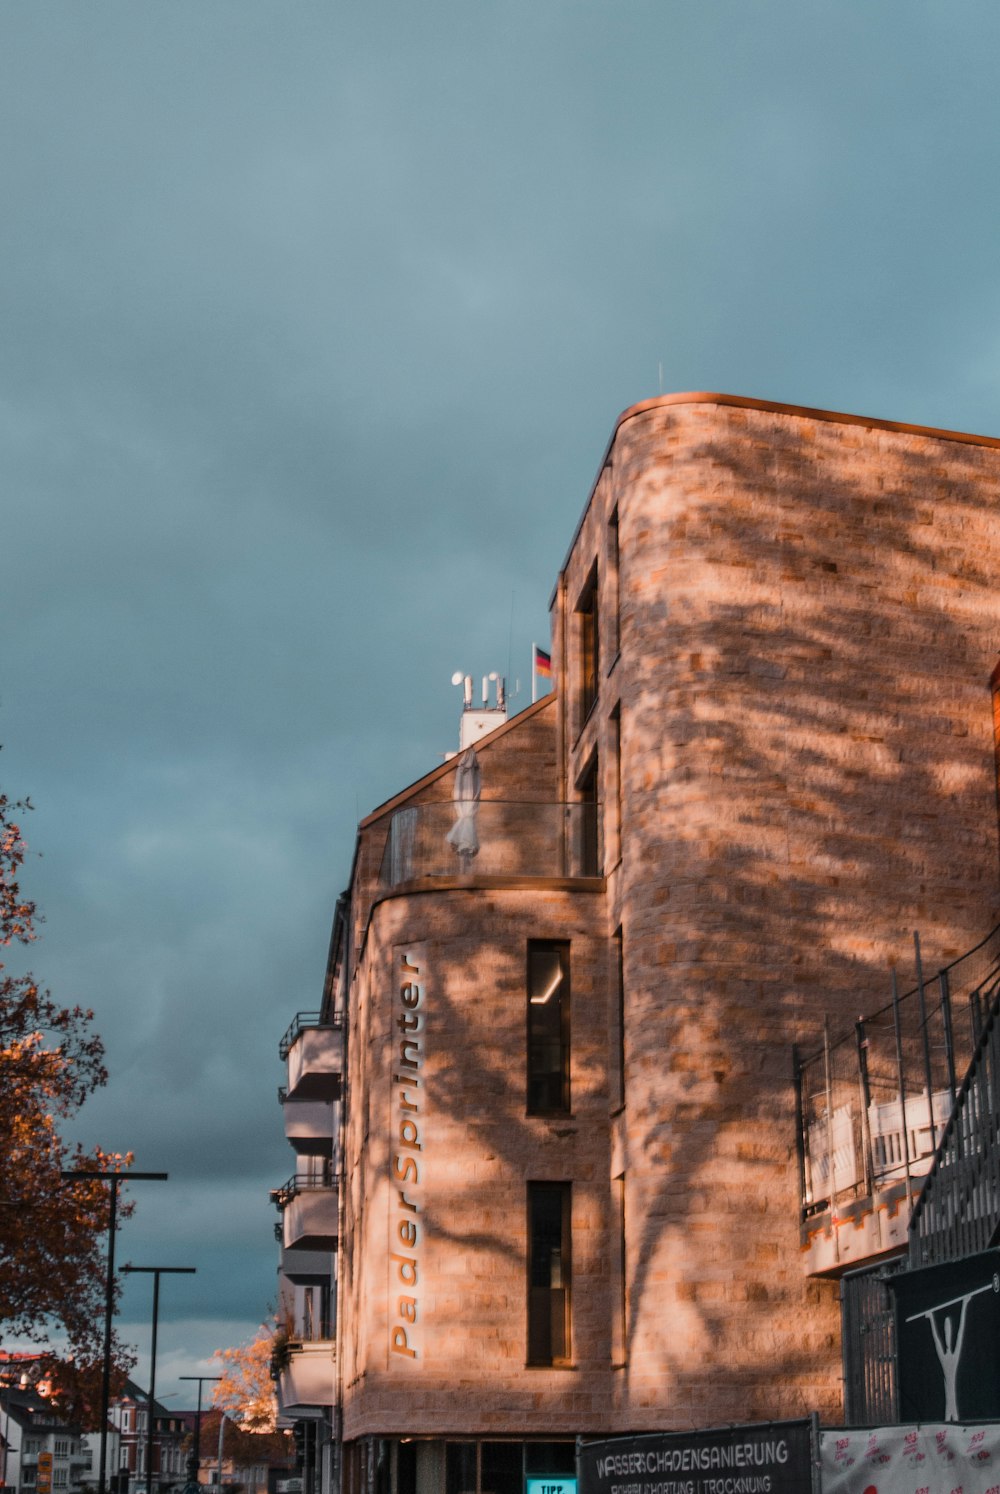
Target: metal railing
[959, 1208]
[874, 1104]
[501, 838]
[304, 1022]
[311, 1331]
[303, 1182]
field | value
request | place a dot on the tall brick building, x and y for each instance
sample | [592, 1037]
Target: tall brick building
[553, 1072]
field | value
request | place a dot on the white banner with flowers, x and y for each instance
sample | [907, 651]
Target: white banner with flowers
[934, 1458]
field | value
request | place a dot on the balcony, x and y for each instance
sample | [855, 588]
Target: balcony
[308, 1205]
[310, 1125]
[502, 839]
[304, 1266]
[306, 1381]
[314, 1050]
[874, 1105]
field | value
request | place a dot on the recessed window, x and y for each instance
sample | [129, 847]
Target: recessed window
[618, 975]
[614, 583]
[549, 1272]
[590, 833]
[620, 1324]
[548, 1028]
[589, 632]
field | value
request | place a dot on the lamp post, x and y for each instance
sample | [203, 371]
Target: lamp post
[115, 1177]
[156, 1272]
[194, 1461]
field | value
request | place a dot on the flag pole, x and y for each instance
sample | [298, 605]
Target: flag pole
[534, 676]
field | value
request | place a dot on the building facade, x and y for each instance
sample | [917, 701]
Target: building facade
[559, 1185]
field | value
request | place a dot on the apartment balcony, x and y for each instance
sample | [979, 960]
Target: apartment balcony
[308, 1205]
[314, 1051]
[306, 1381]
[305, 1266]
[310, 1125]
[500, 840]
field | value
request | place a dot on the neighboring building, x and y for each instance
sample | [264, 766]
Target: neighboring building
[129, 1415]
[551, 1159]
[40, 1453]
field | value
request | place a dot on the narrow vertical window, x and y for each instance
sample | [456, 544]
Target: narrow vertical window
[618, 956]
[548, 1028]
[614, 583]
[616, 750]
[994, 689]
[620, 1327]
[549, 1272]
[590, 824]
[589, 645]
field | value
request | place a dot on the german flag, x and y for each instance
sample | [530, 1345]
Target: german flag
[543, 664]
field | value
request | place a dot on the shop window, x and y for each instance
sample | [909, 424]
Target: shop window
[589, 635]
[549, 1272]
[548, 1028]
[460, 1466]
[501, 1468]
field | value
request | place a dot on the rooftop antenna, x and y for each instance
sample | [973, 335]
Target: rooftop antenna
[458, 678]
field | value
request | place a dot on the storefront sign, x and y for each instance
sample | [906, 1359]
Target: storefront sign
[928, 1459]
[406, 1181]
[551, 1484]
[767, 1458]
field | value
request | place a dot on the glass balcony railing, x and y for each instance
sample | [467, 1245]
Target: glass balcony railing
[495, 838]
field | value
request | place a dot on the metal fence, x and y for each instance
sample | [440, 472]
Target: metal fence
[874, 1103]
[869, 1344]
[959, 1208]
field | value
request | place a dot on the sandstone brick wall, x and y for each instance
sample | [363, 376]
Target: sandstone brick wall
[809, 619]
[795, 746]
[477, 1151]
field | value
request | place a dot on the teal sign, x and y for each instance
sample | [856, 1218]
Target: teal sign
[555, 1483]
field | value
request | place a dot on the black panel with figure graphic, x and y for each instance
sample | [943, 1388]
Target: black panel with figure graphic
[948, 1340]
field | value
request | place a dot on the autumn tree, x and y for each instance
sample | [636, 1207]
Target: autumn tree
[52, 1234]
[245, 1388]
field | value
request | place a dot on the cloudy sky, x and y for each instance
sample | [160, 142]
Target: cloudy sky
[316, 318]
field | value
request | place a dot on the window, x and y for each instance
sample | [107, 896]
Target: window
[616, 751]
[549, 1272]
[589, 645]
[590, 839]
[618, 1083]
[613, 582]
[548, 1028]
[619, 1327]
[60, 1478]
[60, 1447]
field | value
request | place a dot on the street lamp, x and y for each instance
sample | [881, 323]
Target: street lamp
[194, 1462]
[156, 1272]
[115, 1177]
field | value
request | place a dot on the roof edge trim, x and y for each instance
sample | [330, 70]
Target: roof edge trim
[775, 407]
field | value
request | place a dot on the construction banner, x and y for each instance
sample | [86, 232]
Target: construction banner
[927, 1459]
[763, 1458]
